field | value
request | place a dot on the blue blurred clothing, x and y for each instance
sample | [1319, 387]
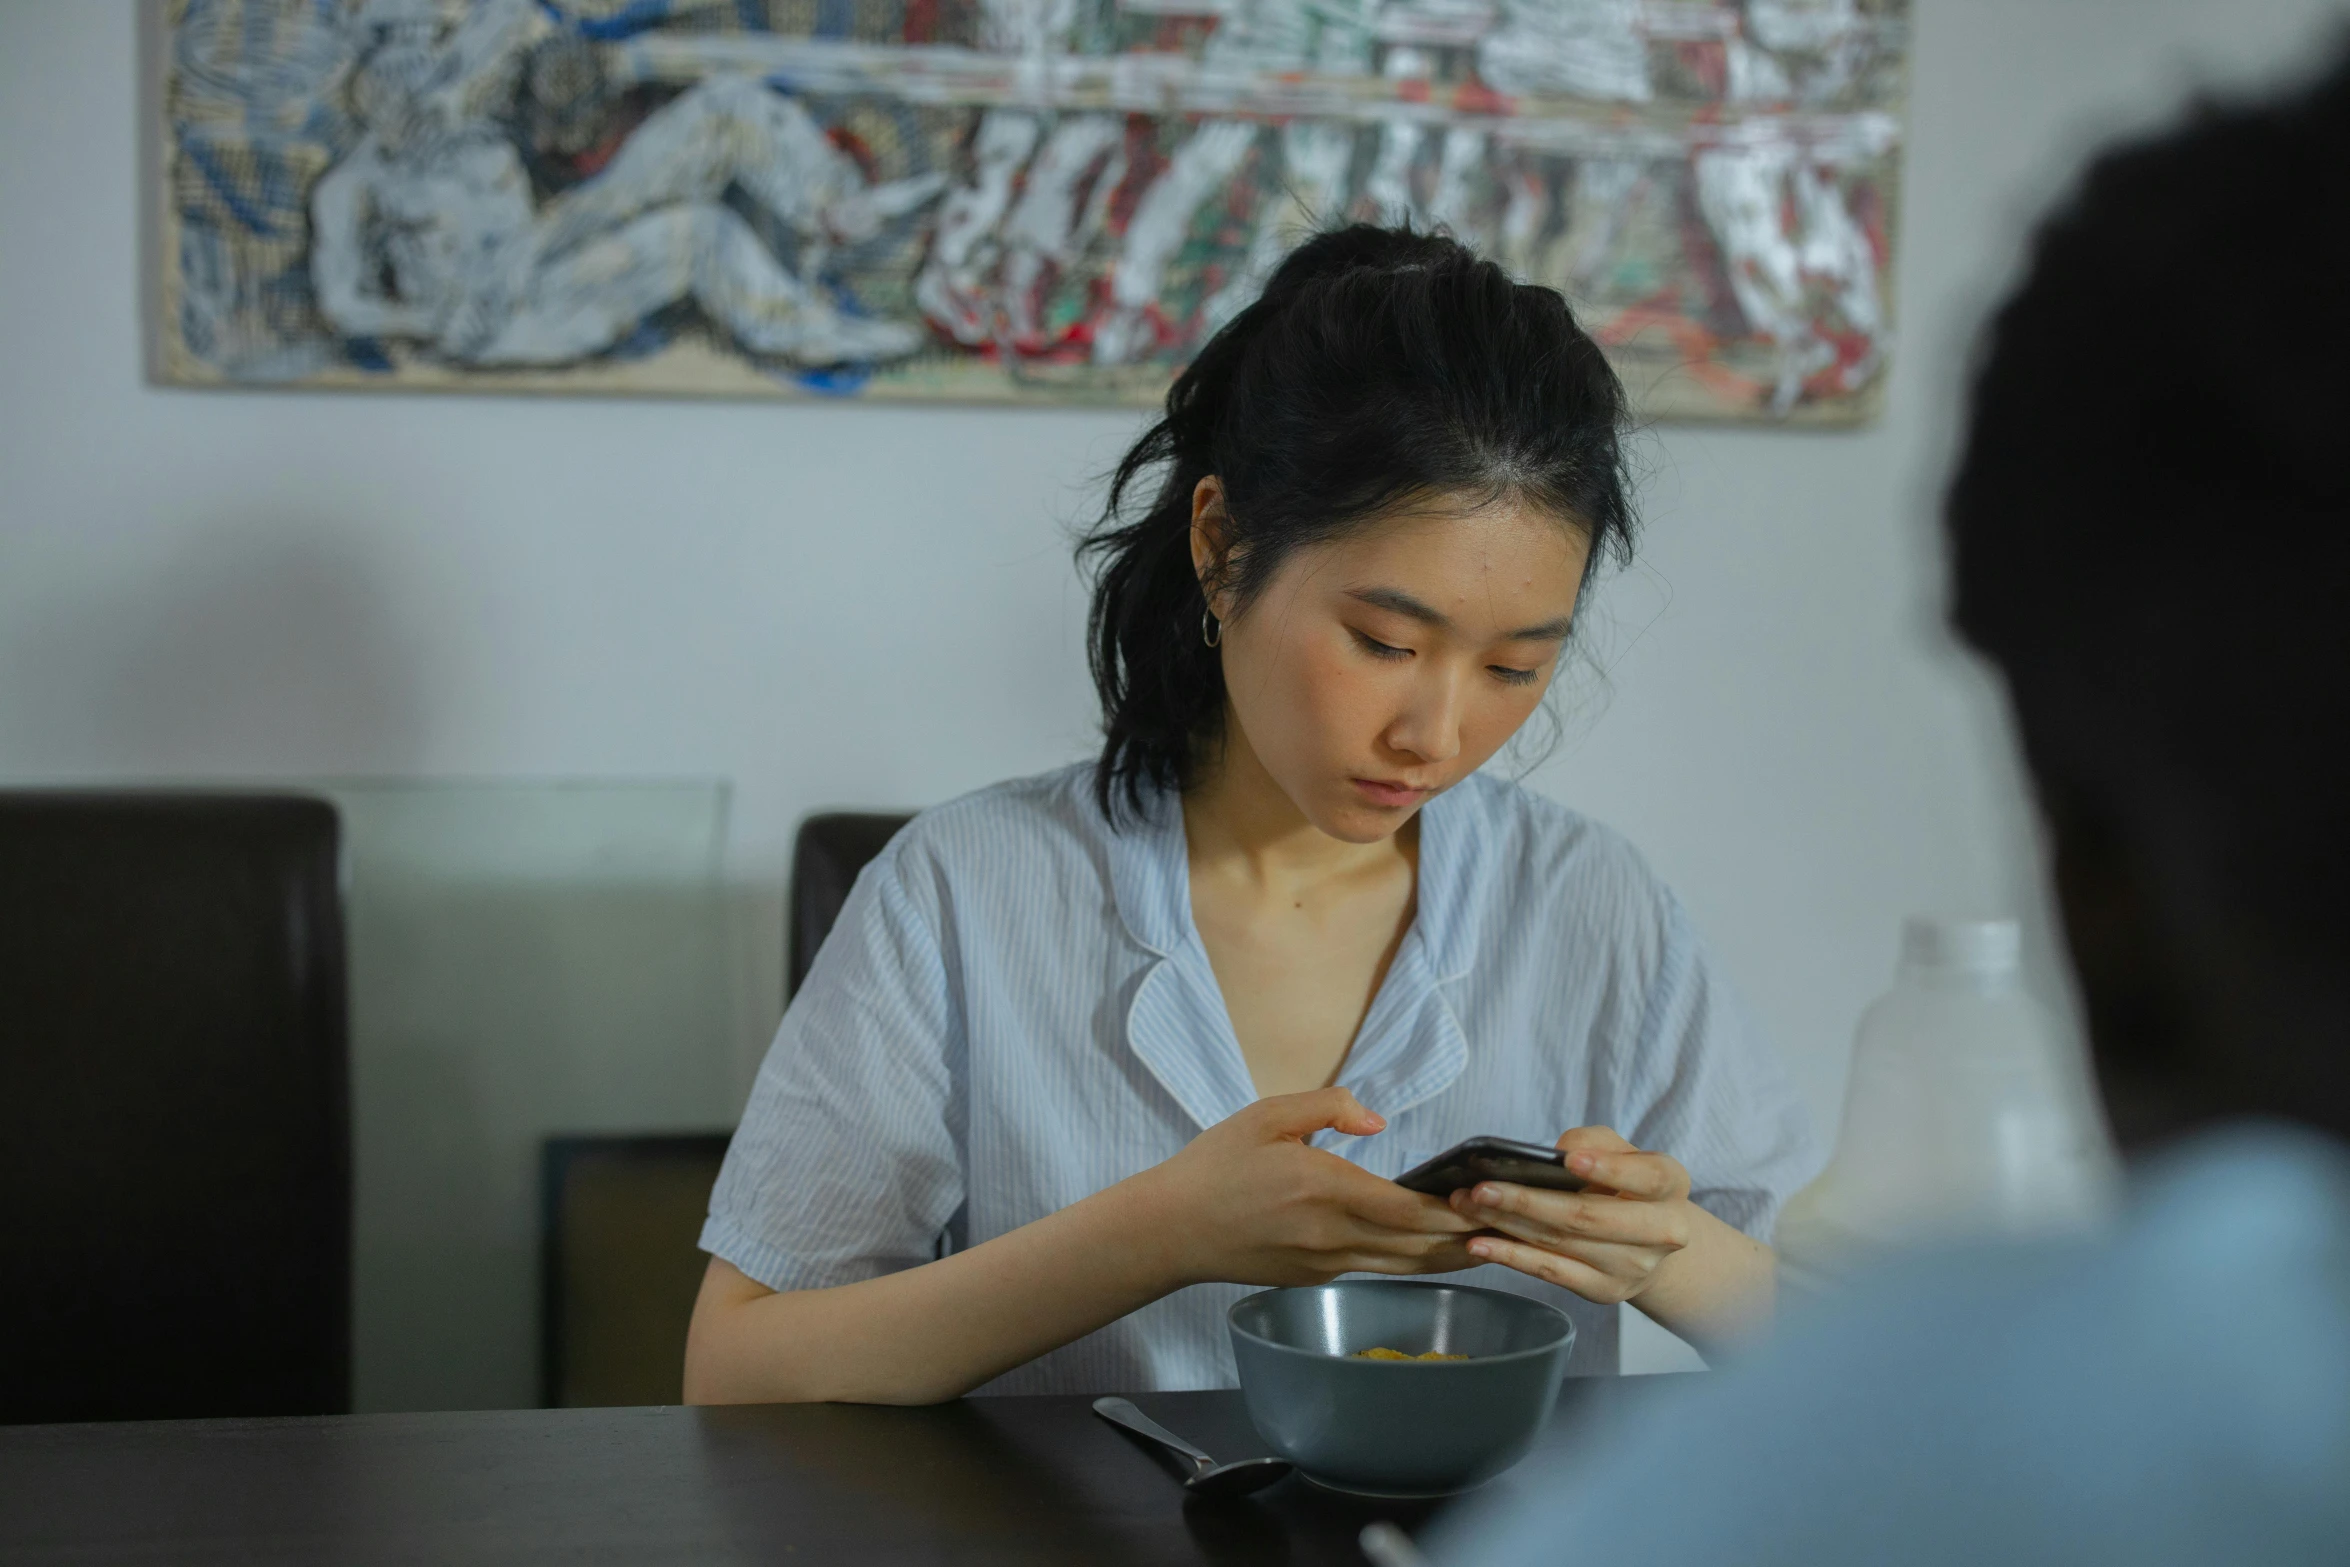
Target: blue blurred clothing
[1015, 1011]
[2176, 1394]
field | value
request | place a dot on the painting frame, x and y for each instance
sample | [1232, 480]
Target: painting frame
[1670, 381]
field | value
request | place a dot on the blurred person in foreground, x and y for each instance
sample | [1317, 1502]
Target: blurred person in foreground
[2150, 537]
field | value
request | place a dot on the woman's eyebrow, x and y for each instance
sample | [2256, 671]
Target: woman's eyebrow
[1402, 603]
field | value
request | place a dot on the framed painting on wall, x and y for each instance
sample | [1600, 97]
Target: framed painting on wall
[1049, 201]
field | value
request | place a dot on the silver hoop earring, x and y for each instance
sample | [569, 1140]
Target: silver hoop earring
[1211, 630]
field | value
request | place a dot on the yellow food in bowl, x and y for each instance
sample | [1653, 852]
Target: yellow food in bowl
[1397, 1354]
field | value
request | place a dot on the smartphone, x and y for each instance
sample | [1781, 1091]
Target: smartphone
[1492, 1159]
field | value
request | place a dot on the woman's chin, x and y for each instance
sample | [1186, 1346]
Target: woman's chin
[1352, 821]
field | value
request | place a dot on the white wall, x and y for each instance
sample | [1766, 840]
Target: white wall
[829, 604]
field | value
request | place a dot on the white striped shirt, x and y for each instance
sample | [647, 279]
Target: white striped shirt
[1015, 1011]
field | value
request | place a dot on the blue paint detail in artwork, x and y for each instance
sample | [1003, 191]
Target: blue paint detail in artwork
[647, 338]
[835, 380]
[260, 24]
[845, 380]
[200, 268]
[844, 298]
[224, 185]
[836, 18]
[631, 19]
[196, 331]
[365, 353]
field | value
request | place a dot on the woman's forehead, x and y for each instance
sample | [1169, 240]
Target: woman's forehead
[1454, 557]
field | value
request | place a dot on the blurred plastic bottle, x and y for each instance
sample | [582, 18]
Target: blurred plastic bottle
[1968, 1115]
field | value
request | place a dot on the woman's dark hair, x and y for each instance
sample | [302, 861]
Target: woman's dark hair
[1379, 365]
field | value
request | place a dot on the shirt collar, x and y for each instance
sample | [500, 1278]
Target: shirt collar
[1150, 873]
[1451, 855]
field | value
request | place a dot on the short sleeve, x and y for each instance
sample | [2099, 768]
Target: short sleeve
[1703, 1084]
[846, 1165]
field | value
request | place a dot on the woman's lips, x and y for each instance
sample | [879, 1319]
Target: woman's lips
[1391, 795]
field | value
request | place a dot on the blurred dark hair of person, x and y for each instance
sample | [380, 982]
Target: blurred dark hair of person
[2150, 538]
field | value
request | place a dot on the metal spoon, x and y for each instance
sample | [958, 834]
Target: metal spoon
[1384, 1545]
[1208, 1478]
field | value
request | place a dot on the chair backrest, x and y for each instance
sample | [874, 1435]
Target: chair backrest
[620, 1264]
[175, 1176]
[825, 860]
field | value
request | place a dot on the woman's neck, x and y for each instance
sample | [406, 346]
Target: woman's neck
[1240, 822]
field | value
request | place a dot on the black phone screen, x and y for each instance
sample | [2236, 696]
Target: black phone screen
[1492, 1159]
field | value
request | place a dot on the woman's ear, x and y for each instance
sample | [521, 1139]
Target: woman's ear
[1211, 538]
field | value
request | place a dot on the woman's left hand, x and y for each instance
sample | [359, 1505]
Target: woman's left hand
[1605, 1242]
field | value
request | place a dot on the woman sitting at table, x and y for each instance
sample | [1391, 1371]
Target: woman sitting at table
[1089, 1055]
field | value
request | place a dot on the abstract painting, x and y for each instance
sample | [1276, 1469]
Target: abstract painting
[1050, 201]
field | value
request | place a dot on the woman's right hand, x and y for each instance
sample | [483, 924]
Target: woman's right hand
[1249, 1202]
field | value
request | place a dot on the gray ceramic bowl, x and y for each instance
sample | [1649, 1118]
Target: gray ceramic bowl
[1399, 1428]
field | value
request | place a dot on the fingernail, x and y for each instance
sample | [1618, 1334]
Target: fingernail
[1480, 1248]
[1582, 1163]
[1486, 1197]
[1378, 1121]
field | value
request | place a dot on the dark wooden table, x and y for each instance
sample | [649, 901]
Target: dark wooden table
[986, 1480]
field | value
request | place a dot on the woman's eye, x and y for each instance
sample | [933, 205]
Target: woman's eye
[1514, 677]
[1378, 649]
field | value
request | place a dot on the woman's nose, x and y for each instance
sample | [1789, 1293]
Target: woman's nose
[1430, 727]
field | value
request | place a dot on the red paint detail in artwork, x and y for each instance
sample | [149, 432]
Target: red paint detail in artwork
[1474, 97]
[1867, 204]
[1694, 344]
[1144, 161]
[1852, 349]
[1707, 60]
[859, 150]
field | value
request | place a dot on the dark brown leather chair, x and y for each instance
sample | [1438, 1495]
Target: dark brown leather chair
[175, 1173]
[831, 849]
